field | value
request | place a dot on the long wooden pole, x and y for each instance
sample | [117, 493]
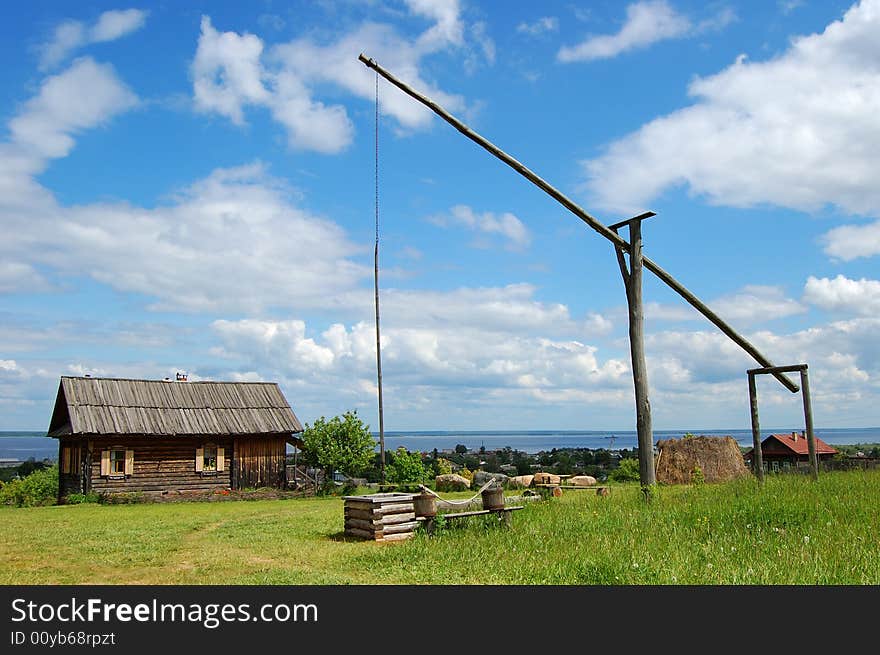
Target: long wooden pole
[583, 215]
[633, 284]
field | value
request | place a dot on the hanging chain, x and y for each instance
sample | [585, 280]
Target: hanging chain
[376, 279]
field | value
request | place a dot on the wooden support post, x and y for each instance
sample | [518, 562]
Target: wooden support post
[808, 420]
[757, 457]
[632, 280]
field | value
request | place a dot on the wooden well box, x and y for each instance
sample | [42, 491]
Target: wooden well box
[381, 517]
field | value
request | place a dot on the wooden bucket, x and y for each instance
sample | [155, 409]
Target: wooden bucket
[493, 498]
[425, 504]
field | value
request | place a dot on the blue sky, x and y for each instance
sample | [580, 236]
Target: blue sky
[190, 187]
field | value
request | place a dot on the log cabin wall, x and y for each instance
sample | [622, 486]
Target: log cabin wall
[259, 462]
[161, 465]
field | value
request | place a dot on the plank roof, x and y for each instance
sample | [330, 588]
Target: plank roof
[118, 406]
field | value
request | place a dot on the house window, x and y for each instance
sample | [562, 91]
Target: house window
[209, 464]
[117, 462]
[210, 459]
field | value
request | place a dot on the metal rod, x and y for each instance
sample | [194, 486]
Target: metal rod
[580, 213]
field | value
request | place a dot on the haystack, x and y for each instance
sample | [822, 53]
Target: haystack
[719, 458]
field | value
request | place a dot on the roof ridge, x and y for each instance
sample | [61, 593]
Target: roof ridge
[89, 377]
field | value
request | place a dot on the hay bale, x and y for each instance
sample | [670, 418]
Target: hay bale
[546, 478]
[582, 481]
[452, 482]
[482, 477]
[521, 481]
[719, 458]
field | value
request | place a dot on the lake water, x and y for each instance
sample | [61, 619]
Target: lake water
[23, 445]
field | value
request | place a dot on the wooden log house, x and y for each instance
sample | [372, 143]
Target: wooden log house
[170, 437]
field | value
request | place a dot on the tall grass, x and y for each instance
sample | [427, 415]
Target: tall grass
[791, 531]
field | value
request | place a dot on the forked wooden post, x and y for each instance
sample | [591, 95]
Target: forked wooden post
[632, 281]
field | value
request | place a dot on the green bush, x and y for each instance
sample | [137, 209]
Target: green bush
[38, 488]
[697, 476]
[78, 499]
[628, 471]
[405, 467]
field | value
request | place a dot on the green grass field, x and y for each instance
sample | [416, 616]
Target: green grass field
[790, 531]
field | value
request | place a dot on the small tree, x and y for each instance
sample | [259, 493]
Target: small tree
[628, 471]
[405, 467]
[342, 444]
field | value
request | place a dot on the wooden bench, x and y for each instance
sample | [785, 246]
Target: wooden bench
[550, 488]
[503, 513]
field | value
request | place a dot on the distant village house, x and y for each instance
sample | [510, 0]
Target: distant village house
[167, 437]
[781, 452]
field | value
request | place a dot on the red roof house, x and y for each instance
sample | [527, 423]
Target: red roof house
[784, 451]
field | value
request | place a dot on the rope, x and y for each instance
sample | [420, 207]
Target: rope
[459, 502]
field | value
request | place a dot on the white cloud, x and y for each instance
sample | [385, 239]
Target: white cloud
[646, 23]
[757, 303]
[45, 127]
[179, 254]
[18, 276]
[798, 131]
[227, 73]
[115, 24]
[861, 297]
[447, 28]
[506, 225]
[849, 242]
[751, 304]
[439, 355]
[541, 26]
[231, 72]
[72, 35]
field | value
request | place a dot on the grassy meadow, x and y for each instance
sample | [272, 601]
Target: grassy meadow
[791, 531]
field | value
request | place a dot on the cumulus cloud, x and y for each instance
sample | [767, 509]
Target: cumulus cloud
[861, 297]
[749, 305]
[439, 355]
[797, 131]
[72, 35]
[507, 226]
[756, 303]
[231, 72]
[227, 73]
[646, 23]
[179, 254]
[46, 125]
[849, 242]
